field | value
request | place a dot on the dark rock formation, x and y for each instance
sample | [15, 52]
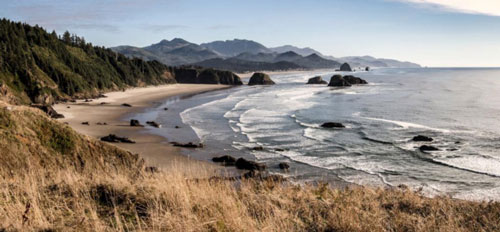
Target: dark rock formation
[225, 160]
[165, 109]
[249, 165]
[187, 145]
[126, 105]
[345, 68]
[115, 139]
[153, 124]
[355, 80]
[421, 138]
[367, 69]
[197, 75]
[135, 122]
[260, 79]
[316, 80]
[284, 166]
[85, 123]
[425, 148]
[48, 110]
[340, 81]
[332, 125]
[259, 148]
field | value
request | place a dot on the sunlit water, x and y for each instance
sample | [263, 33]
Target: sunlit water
[459, 108]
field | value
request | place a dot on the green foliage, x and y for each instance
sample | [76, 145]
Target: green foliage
[35, 62]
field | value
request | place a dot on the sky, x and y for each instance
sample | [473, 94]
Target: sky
[434, 33]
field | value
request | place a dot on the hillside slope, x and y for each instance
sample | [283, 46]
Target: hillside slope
[53, 179]
[40, 67]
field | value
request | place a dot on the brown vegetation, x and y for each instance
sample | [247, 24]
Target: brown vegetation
[52, 178]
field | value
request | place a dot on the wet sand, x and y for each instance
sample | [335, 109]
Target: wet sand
[155, 150]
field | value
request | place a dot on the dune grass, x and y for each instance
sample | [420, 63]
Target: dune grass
[85, 185]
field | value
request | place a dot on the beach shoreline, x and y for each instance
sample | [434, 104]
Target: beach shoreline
[103, 116]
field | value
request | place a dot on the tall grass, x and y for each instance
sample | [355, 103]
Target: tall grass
[91, 186]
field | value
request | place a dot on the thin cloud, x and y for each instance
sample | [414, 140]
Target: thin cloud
[485, 7]
[164, 27]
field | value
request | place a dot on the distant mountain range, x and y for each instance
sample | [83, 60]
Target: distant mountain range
[247, 55]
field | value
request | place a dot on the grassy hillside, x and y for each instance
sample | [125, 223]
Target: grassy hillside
[40, 67]
[53, 179]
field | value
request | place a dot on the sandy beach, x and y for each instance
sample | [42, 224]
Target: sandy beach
[155, 150]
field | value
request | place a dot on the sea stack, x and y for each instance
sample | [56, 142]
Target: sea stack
[345, 68]
[316, 80]
[343, 81]
[260, 79]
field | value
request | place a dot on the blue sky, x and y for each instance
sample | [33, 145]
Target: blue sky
[430, 32]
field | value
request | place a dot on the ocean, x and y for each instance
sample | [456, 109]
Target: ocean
[458, 107]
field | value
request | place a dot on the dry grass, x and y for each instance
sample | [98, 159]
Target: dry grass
[49, 188]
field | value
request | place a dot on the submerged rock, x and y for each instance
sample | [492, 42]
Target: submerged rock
[421, 138]
[425, 148]
[345, 68]
[126, 105]
[249, 165]
[316, 80]
[260, 79]
[332, 125]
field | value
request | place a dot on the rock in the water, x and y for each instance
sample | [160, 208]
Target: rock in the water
[85, 123]
[367, 69]
[355, 80]
[345, 68]
[425, 148]
[153, 124]
[338, 81]
[135, 122]
[316, 80]
[342, 81]
[260, 79]
[284, 166]
[126, 105]
[116, 139]
[226, 160]
[259, 148]
[187, 145]
[421, 138]
[332, 125]
[48, 110]
[249, 165]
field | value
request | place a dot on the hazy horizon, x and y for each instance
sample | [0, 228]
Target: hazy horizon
[434, 33]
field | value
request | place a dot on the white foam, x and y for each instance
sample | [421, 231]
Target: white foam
[406, 125]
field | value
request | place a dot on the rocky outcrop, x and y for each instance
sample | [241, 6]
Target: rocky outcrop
[116, 139]
[284, 166]
[135, 122]
[345, 81]
[260, 79]
[355, 80]
[196, 75]
[345, 68]
[421, 138]
[187, 145]
[316, 80]
[249, 165]
[225, 160]
[153, 124]
[332, 125]
[48, 110]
